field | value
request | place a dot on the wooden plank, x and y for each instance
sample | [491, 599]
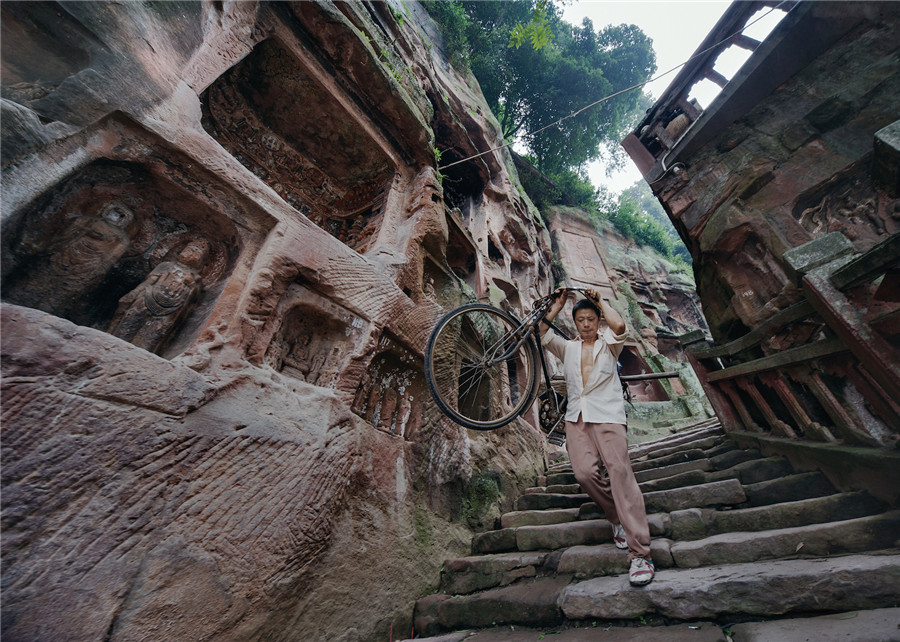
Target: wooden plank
[790, 357]
[788, 315]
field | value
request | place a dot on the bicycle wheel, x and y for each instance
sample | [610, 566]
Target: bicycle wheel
[480, 372]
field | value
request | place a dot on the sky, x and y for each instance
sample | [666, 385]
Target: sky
[677, 27]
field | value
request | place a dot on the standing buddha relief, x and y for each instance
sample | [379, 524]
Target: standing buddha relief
[148, 315]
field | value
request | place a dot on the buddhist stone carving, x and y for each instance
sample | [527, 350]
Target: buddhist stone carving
[148, 315]
[75, 261]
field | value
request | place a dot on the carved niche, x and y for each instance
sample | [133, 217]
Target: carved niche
[316, 339]
[634, 364]
[277, 120]
[120, 249]
[848, 203]
[393, 392]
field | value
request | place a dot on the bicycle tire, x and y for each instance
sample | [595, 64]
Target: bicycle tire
[472, 393]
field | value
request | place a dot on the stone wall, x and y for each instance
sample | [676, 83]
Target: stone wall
[224, 245]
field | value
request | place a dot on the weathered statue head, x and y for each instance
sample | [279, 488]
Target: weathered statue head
[195, 254]
[118, 214]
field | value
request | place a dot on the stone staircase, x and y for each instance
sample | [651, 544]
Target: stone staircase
[745, 549]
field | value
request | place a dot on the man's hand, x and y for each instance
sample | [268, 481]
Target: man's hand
[558, 303]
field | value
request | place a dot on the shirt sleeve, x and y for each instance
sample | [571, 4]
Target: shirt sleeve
[616, 342]
[555, 344]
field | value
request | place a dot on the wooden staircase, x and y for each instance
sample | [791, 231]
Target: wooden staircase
[745, 549]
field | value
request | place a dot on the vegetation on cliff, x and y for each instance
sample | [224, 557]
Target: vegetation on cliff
[536, 71]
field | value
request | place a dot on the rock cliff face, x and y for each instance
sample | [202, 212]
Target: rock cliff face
[225, 242]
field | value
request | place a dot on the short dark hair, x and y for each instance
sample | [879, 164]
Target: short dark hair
[586, 304]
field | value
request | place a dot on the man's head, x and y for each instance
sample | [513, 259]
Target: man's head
[587, 319]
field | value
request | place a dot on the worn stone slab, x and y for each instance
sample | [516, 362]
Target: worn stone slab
[541, 501]
[734, 457]
[562, 478]
[673, 469]
[605, 559]
[876, 625]
[494, 541]
[469, 574]
[781, 586]
[685, 437]
[693, 632]
[538, 517]
[527, 603]
[687, 478]
[694, 523]
[788, 489]
[755, 470]
[831, 538]
[727, 492]
[702, 443]
[595, 531]
[675, 458]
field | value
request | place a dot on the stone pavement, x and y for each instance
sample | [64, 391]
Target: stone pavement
[745, 547]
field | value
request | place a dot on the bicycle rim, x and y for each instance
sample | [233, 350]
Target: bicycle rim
[469, 381]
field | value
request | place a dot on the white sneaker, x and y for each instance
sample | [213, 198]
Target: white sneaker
[619, 536]
[641, 572]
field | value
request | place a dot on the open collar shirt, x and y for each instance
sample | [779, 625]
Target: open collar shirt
[599, 400]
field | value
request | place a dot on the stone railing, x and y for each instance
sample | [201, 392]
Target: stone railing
[825, 369]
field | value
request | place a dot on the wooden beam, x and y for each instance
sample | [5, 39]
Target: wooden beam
[791, 357]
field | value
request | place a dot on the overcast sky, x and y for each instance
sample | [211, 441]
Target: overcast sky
[676, 27]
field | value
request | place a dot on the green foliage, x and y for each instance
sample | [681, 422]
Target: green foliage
[566, 68]
[481, 493]
[633, 220]
[537, 31]
[451, 17]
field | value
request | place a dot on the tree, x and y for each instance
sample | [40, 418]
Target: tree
[534, 90]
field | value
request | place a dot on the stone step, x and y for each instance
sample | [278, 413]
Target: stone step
[527, 603]
[558, 535]
[733, 457]
[675, 458]
[673, 469]
[728, 492]
[532, 538]
[779, 587]
[700, 631]
[877, 625]
[588, 552]
[788, 489]
[701, 443]
[747, 472]
[538, 517]
[869, 533]
[720, 493]
[684, 440]
[544, 501]
[691, 473]
[697, 523]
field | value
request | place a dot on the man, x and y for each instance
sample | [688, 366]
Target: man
[595, 424]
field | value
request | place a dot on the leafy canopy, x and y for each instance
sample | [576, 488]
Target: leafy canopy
[565, 68]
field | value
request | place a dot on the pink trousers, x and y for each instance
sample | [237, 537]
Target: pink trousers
[599, 456]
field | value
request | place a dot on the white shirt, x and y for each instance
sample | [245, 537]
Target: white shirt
[600, 400]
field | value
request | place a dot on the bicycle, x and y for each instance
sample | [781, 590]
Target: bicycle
[480, 366]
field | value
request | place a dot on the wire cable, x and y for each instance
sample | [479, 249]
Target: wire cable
[623, 91]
